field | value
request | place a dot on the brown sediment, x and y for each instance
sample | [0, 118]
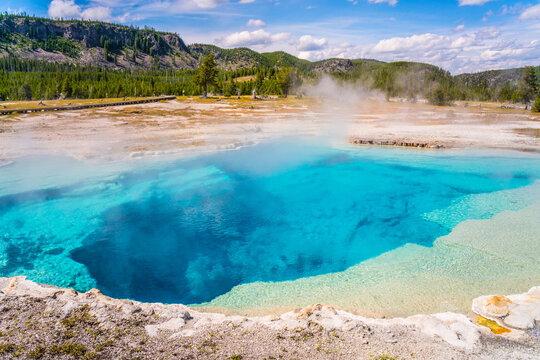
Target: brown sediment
[398, 143]
[532, 132]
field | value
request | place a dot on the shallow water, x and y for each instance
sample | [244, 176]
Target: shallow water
[191, 230]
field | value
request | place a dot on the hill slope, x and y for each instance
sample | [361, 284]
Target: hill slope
[92, 43]
[495, 78]
[123, 47]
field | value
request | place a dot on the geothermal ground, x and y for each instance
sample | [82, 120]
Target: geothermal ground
[190, 125]
[45, 322]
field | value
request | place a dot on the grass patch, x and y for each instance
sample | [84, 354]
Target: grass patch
[37, 353]
[69, 348]
[7, 348]
[78, 317]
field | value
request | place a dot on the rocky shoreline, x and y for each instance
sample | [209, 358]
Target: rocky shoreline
[46, 322]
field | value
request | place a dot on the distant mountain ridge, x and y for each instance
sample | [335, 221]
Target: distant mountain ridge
[123, 47]
[492, 77]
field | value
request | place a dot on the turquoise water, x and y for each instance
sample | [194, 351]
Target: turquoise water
[190, 230]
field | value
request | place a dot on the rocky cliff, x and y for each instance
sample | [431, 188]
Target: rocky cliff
[92, 43]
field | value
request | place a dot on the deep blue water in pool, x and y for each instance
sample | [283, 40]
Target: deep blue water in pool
[189, 230]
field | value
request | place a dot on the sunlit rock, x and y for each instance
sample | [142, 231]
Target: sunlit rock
[519, 311]
[519, 319]
[496, 306]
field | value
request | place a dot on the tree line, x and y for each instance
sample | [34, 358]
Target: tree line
[439, 87]
[23, 79]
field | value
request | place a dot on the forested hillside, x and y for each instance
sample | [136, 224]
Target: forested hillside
[118, 47]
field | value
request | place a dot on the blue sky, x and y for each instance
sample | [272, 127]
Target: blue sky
[458, 35]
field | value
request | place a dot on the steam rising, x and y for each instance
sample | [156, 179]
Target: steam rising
[341, 102]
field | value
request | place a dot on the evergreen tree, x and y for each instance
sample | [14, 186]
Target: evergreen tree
[207, 73]
[528, 85]
[505, 93]
[66, 88]
[536, 105]
[259, 79]
[438, 97]
[106, 50]
[284, 80]
[229, 88]
[25, 93]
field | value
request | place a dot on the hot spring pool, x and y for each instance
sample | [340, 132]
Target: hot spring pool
[387, 231]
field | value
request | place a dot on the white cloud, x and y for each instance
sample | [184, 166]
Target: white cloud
[462, 51]
[429, 42]
[165, 6]
[256, 23]
[459, 28]
[309, 43]
[489, 14]
[513, 9]
[472, 2]
[419, 42]
[501, 54]
[246, 1]
[252, 38]
[284, 36]
[128, 17]
[487, 33]
[66, 9]
[344, 50]
[531, 13]
[462, 41]
[209, 4]
[15, 11]
[483, 49]
[390, 2]
[100, 13]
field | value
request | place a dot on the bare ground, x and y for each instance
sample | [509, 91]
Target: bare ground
[191, 125]
[42, 322]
